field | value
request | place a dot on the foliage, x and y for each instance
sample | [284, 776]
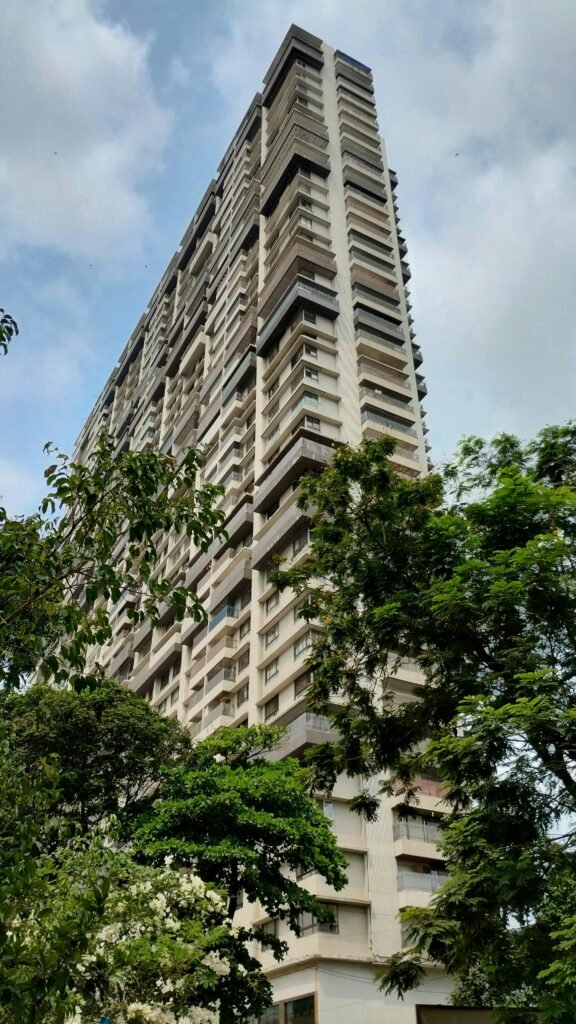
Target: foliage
[245, 823]
[472, 573]
[60, 568]
[109, 745]
[86, 931]
[37, 943]
[8, 330]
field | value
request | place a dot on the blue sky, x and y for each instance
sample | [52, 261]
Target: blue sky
[120, 110]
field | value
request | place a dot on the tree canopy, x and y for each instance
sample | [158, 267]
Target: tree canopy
[60, 567]
[471, 573]
[109, 746]
[246, 823]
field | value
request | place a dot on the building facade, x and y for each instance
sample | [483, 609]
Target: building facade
[280, 329]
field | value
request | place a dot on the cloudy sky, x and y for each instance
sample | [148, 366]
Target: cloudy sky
[115, 114]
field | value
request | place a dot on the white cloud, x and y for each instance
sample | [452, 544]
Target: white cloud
[81, 129]
[491, 231]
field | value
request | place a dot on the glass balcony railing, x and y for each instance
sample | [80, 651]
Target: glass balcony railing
[422, 881]
[228, 611]
[225, 709]
[387, 421]
[424, 831]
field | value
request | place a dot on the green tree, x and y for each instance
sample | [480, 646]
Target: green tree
[246, 823]
[108, 745]
[60, 567]
[85, 931]
[472, 572]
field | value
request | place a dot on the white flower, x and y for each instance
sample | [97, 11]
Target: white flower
[217, 963]
[169, 860]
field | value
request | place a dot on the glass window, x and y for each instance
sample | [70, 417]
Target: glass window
[303, 643]
[312, 423]
[302, 683]
[328, 809]
[272, 634]
[271, 670]
[300, 542]
[271, 708]
[300, 1011]
[244, 628]
[242, 695]
[272, 601]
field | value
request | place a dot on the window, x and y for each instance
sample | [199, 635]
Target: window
[244, 628]
[311, 373]
[272, 634]
[309, 924]
[271, 670]
[305, 203]
[272, 412]
[244, 661]
[298, 609]
[272, 390]
[305, 221]
[300, 542]
[312, 423]
[303, 643]
[270, 927]
[311, 350]
[174, 695]
[269, 1016]
[300, 1011]
[328, 809]
[306, 313]
[273, 601]
[302, 683]
[271, 708]
[162, 707]
[242, 695]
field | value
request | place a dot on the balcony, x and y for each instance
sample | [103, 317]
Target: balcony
[420, 881]
[233, 382]
[224, 710]
[224, 678]
[234, 578]
[299, 149]
[303, 456]
[374, 416]
[229, 611]
[419, 831]
[298, 257]
[306, 730]
[302, 295]
[277, 537]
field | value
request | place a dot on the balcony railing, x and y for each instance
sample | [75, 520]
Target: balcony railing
[387, 421]
[225, 709]
[224, 675]
[309, 721]
[228, 611]
[382, 396]
[419, 880]
[423, 831]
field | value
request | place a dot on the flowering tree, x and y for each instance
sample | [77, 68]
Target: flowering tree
[89, 933]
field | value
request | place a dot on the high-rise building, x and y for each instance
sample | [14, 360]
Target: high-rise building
[280, 329]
